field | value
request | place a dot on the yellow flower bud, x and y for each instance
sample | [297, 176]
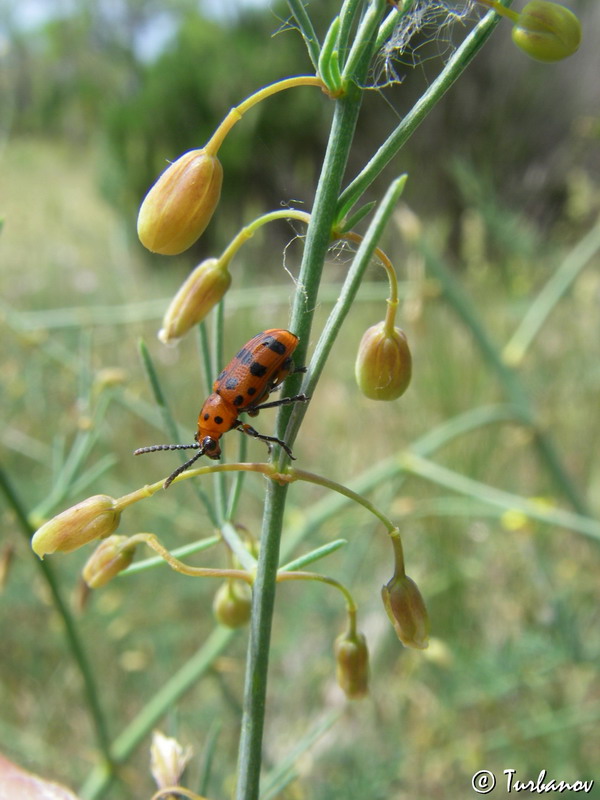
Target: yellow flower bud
[547, 31]
[168, 760]
[406, 609]
[232, 605]
[199, 293]
[112, 556]
[352, 664]
[383, 365]
[94, 518]
[179, 206]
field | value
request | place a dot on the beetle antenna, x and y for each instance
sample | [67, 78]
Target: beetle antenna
[183, 468]
[153, 448]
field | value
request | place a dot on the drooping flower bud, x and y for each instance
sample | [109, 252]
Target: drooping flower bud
[94, 518]
[168, 759]
[179, 206]
[547, 31]
[383, 365]
[199, 293]
[112, 556]
[232, 604]
[352, 664]
[406, 609]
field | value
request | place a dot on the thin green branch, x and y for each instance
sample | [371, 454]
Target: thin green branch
[559, 284]
[513, 387]
[458, 62]
[305, 26]
[416, 465]
[257, 661]
[73, 638]
[390, 468]
[345, 300]
[348, 13]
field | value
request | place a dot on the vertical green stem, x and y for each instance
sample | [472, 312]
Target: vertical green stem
[305, 301]
[257, 662]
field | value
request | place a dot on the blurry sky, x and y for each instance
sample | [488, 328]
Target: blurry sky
[28, 14]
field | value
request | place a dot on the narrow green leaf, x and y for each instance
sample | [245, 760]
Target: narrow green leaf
[314, 555]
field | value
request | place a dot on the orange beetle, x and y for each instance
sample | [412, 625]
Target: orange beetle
[259, 367]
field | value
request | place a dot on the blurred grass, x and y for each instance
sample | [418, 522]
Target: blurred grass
[511, 678]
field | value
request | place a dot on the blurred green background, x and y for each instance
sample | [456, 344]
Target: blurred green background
[95, 98]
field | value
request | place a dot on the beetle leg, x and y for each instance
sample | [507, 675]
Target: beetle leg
[283, 401]
[243, 427]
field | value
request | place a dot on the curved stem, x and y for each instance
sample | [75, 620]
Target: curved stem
[169, 791]
[387, 264]
[344, 302]
[299, 575]
[195, 572]
[236, 113]
[501, 10]
[248, 231]
[310, 477]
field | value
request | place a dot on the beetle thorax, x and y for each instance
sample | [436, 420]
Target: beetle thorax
[216, 418]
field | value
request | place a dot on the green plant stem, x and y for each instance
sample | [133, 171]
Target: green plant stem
[345, 300]
[348, 13]
[387, 26]
[236, 113]
[297, 575]
[248, 231]
[453, 69]
[305, 301]
[71, 632]
[416, 465]
[305, 27]
[257, 661]
[364, 40]
[509, 378]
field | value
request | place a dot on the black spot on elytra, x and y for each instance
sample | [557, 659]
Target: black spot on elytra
[277, 347]
[257, 369]
[207, 416]
[238, 400]
[251, 391]
[244, 356]
[219, 420]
